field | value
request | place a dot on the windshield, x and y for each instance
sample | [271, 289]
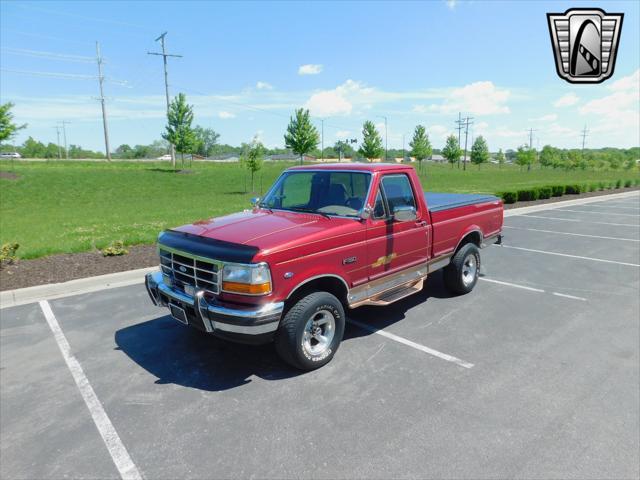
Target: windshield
[328, 193]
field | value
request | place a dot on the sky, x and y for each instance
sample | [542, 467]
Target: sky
[247, 65]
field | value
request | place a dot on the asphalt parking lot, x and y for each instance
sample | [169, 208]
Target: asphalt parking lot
[546, 384]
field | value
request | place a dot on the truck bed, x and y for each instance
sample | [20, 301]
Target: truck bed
[437, 202]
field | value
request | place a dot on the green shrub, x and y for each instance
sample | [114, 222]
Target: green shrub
[619, 184]
[557, 190]
[8, 253]
[528, 195]
[627, 184]
[573, 189]
[114, 249]
[601, 185]
[593, 187]
[637, 181]
[544, 192]
[509, 197]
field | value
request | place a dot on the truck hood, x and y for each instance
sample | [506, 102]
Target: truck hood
[268, 231]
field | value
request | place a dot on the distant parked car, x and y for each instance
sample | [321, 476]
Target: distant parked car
[164, 157]
[10, 155]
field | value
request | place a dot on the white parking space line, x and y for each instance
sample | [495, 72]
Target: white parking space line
[409, 343]
[508, 284]
[573, 234]
[571, 256]
[564, 295]
[599, 213]
[582, 221]
[531, 289]
[619, 207]
[117, 450]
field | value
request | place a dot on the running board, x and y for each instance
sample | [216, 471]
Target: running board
[394, 295]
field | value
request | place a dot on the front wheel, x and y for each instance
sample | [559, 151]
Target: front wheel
[461, 275]
[311, 331]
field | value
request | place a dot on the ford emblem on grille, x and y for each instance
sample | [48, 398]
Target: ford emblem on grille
[182, 269]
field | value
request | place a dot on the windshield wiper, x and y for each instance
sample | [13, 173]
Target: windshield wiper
[308, 210]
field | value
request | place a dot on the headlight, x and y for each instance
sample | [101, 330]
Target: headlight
[251, 279]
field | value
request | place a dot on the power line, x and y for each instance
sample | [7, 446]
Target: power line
[104, 108]
[459, 128]
[67, 76]
[164, 56]
[48, 55]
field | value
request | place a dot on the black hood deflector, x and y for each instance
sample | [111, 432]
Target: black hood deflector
[207, 247]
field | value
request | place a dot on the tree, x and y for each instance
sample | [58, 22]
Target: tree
[371, 142]
[32, 148]
[479, 151]
[178, 130]
[420, 144]
[344, 149]
[206, 140]
[525, 156]
[548, 156]
[500, 158]
[252, 157]
[301, 136]
[451, 150]
[8, 129]
[124, 151]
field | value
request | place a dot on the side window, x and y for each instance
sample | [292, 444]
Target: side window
[379, 210]
[397, 190]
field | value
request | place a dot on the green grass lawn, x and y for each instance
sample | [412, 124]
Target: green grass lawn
[76, 206]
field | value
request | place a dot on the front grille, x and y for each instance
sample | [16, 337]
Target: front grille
[183, 269]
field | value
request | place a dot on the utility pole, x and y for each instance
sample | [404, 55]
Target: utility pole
[531, 130]
[64, 135]
[164, 56]
[459, 128]
[585, 134]
[104, 108]
[58, 133]
[467, 122]
[322, 144]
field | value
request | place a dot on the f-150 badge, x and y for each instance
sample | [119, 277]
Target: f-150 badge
[585, 43]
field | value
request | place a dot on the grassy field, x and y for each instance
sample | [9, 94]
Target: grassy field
[54, 207]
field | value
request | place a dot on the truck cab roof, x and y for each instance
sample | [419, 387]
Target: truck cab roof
[360, 167]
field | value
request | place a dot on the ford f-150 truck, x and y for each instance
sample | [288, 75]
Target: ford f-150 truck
[325, 238]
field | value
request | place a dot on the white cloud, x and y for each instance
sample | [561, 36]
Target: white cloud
[618, 113]
[342, 134]
[264, 86]
[479, 98]
[552, 117]
[451, 4]
[225, 115]
[566, 100]
[310, 69]
[339, 101]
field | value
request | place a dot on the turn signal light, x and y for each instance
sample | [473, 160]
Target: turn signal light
[258, 289]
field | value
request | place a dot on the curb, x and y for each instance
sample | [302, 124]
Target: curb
[23, 296]
[567, 203]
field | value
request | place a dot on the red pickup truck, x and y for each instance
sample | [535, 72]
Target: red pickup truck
[325, 238]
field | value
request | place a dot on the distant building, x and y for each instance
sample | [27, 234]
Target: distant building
[437, 158]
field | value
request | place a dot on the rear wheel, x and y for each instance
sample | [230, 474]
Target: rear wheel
[311, 331]
[461, 275]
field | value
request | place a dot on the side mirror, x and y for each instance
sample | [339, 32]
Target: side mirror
[365, 212]
[255, 201]
[404, 213]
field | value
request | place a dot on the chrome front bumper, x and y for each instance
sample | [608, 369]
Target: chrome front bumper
[259, 320]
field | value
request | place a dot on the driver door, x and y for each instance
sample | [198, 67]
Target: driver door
[394, 245]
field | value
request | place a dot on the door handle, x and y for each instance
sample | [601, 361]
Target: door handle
[421, 223]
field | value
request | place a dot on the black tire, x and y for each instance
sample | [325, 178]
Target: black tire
[457, 276]
[291, 342]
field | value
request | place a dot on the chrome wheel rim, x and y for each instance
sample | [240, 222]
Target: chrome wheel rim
[318, 333]
[469, 270]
